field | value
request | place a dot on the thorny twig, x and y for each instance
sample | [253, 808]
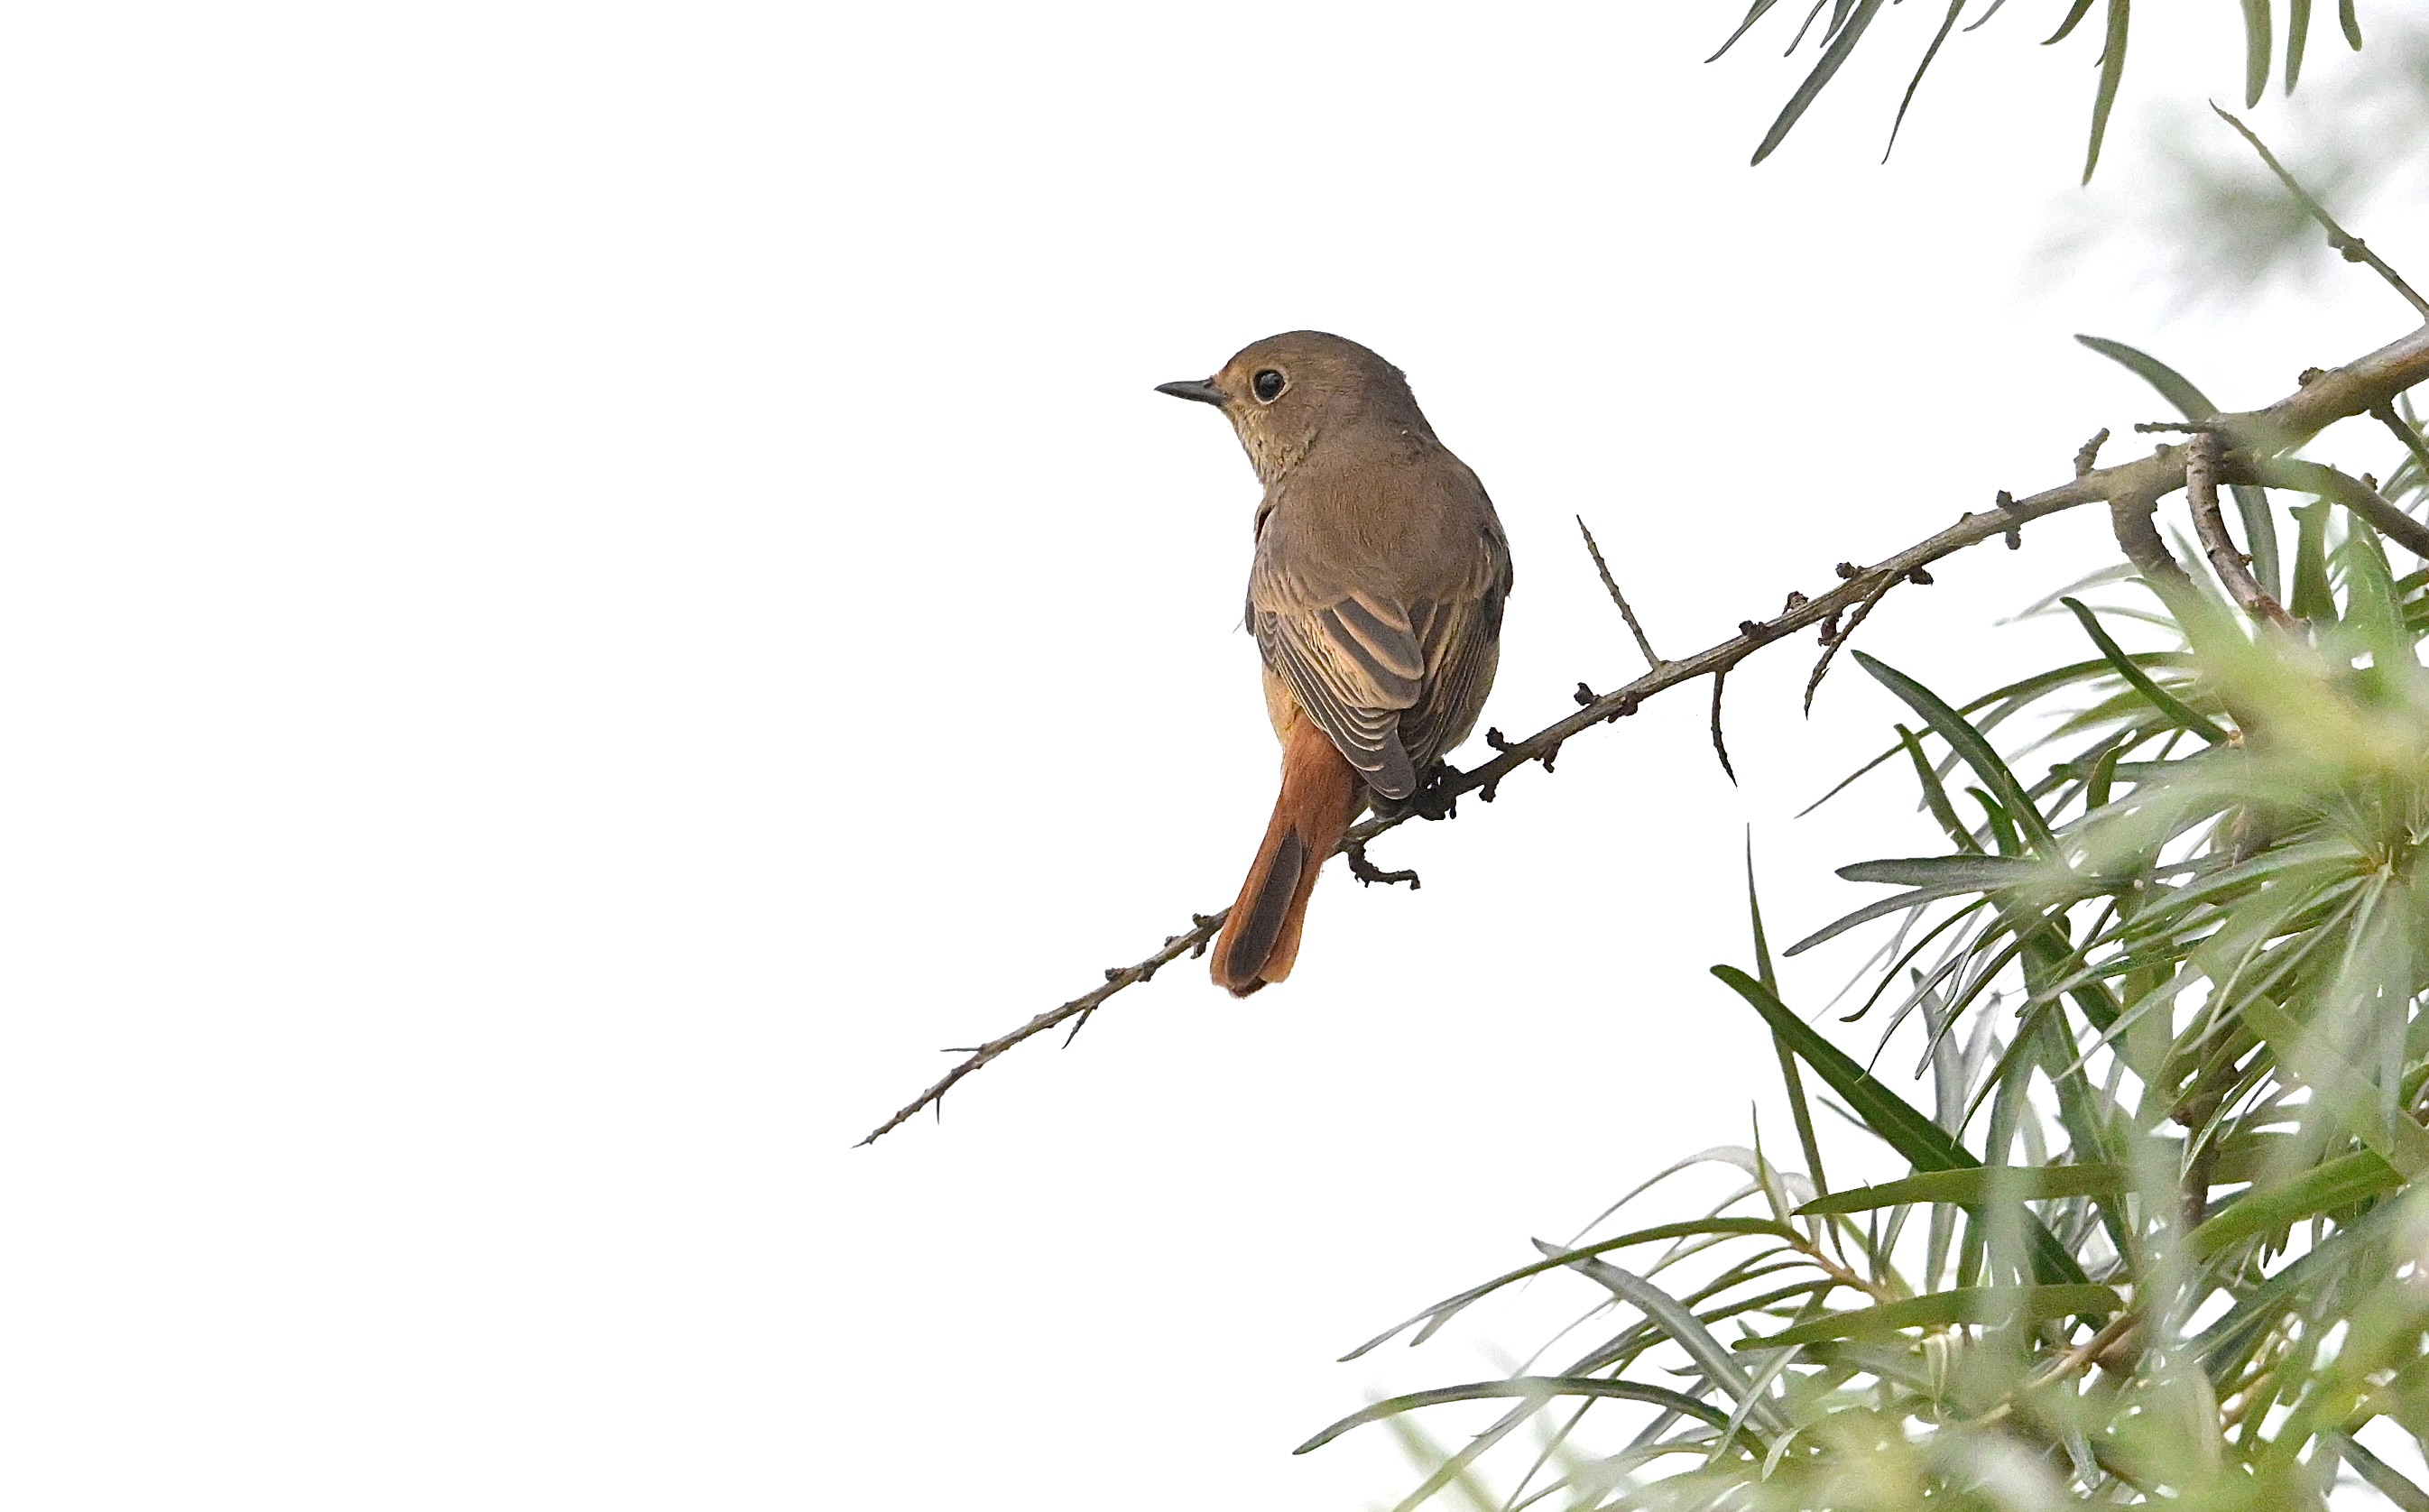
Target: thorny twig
[2347, 245]
[2329, 395]
[1616, 597]
[1720, 745]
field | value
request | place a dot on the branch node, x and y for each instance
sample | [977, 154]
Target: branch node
[1919, 578]
[1585, 696]
[1847, 571]
[1368, 874]
[1551, 753]
[2087, 456]
[1499, 742]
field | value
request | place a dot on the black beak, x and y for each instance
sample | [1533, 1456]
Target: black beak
[1201, 389]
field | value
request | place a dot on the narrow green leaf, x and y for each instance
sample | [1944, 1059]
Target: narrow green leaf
[1683, 1330]
[1789, 1076]
[1964, 1304]
[1926, 1145]
[1530, 1386]
[2104, 775]
[1947, 23]
[2372, 608]
[2179, 713]
[1899, 903]
[1754, 13]
[2314, 600]
[2298, 31]
[2350, 23]
[2340, 1183]
[2173, 387]
[1832, 57]
[1976, 1185]
[2384, 1478]
[1435, 1316]
[2074, 18]
[1968, 743]
[1935, 794]
[2257, 51]
[2112, 70]
[1983, 872]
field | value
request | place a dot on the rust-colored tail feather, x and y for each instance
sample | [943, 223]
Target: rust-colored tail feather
[1320, 795]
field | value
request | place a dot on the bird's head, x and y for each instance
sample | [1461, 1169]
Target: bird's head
[1287, 392]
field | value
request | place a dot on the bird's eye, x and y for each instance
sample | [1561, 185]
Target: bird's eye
[1269, 384]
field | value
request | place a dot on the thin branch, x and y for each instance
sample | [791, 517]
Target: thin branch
[1368, 874]
[2233, 568]
[1830, 647]
[1616, 597]
[2326, 482]
[1201, 931]
[2385, 414]
[2327, 397]
[2348, 245]
[2132, 515]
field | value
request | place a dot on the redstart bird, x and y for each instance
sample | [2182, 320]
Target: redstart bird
[1376, 599]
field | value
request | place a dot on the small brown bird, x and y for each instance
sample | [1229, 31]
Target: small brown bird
[1376, 601]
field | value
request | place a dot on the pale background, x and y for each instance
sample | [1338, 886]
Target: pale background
[584, 586]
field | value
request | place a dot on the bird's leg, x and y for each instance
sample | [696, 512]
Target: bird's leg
[1431, 800]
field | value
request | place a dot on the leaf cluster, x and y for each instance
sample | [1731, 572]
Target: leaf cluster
[2160, 1236]
[1851, 21]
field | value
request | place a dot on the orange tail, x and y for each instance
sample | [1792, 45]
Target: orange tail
[1320, 795]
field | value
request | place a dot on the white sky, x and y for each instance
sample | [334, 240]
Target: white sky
[584, 586]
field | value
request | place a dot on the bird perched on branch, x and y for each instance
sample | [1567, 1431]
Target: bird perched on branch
[1376, 601]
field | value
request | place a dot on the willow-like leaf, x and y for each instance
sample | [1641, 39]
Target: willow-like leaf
[1968, 742]
[2161, 698]
[1529, 1387]
[1441, 1312]
[1833, 57]
[2112, 71]
[1925, 1143]
[2340, 1183]
[1978, 1184]
[2257, 50]
[1969, 1305]
[1682, 1329]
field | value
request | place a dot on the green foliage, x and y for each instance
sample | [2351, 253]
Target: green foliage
[2163, 1237]
[1852, 20]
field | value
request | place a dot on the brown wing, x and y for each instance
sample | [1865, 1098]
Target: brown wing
[1463, 647]
[1353, 662]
